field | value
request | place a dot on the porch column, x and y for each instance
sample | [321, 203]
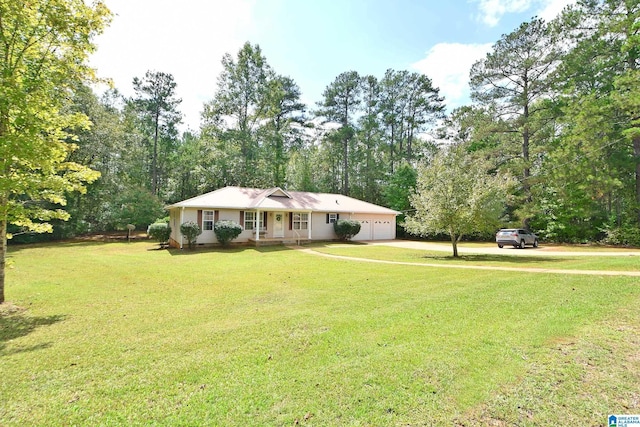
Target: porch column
[181, 221]
[309, 227]
[257, 225]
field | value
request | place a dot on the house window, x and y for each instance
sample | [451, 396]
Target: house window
[249, 220]
[332, 218]
[207, 220]
[300, 221]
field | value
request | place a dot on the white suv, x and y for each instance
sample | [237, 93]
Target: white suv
[516, 237]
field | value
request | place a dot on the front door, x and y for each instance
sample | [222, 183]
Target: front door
[278, 224]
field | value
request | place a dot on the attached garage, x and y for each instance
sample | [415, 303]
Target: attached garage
[365, 230]
[376, 229]
[383, 229]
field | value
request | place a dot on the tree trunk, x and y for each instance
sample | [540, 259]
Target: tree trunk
[632, 60]
[454, 243]
[526, 175]
[526, 186]
[4, 205]
[391, 146]
[3, 254]
[409, 144]
[636, 152]
[154, 161]
[345, 166]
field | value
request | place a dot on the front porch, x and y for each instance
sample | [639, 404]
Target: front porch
[269, 227]
[271, 241]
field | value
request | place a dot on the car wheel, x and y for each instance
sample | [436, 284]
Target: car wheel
[500, 246]
[535, 243]
[522, 244]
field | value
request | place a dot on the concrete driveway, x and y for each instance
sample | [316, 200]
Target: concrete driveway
[542, 250]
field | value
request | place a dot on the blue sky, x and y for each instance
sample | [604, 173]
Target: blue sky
[312, 41]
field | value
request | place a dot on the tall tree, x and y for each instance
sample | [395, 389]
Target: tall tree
[424, 106]
[370, 154]
[101, 147]
[301, 170]
[592, 170]
[43, 50]
[282, 127]
[307, 168]
[340, 104]
[621, 23]
[409, 103]
[232, 119]
[512, 81]
[190, 172]
[398, 191]
[157, 107]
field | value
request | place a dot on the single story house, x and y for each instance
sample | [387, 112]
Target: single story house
[278, 215]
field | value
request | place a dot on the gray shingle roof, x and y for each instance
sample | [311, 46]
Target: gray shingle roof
[275, 199]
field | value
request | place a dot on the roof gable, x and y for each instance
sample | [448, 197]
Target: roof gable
[275, 199]
[279, 192]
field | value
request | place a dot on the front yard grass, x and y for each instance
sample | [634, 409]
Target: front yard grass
[535, 260]
[121, 334]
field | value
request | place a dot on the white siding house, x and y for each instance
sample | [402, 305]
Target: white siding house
[278, 215]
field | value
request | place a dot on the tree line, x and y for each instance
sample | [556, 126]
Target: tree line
[255, 132]
[555, 114]
[554, 104]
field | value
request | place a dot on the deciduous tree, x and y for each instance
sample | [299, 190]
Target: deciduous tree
[43, 50]
[456, 194]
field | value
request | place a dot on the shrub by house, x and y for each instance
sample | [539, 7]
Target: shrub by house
[226, 231]
[159, 231]
[190, 230]
[346, 228]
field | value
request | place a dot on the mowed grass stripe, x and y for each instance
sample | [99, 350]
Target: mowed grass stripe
[122, 334]
[622, 263]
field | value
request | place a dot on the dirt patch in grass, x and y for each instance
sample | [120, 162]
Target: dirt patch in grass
[7, 308]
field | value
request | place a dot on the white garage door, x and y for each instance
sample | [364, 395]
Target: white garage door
[382, 230]
[365, 230]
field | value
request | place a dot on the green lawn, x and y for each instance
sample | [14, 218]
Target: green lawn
[508, 259]
[121, 334]
[446, 245]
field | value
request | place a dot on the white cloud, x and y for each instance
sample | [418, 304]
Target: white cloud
[186, 39]
[448, 65]
[550, 9]
[491, 11]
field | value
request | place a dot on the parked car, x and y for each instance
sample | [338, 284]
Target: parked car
[516, 237]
